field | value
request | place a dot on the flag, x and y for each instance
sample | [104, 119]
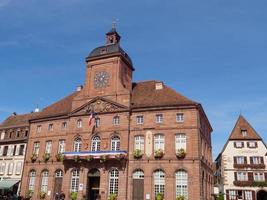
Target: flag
[91, 118]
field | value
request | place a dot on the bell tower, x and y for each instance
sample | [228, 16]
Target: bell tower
[109, 71]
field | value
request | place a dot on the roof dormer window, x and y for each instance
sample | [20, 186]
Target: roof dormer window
[244, 133]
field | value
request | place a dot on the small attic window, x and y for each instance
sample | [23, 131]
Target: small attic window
[103, 51]
[244, 133]
[159, 86]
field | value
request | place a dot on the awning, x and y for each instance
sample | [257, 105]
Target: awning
[6, 184]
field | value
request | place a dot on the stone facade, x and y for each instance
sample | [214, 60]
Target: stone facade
[116, 137]
[241, 166]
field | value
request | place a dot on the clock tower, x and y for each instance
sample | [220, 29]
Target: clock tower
[109, 71]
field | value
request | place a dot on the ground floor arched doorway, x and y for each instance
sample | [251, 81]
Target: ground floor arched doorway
[262, 195]
[93, 184]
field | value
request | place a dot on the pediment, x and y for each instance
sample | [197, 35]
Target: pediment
[99, 105]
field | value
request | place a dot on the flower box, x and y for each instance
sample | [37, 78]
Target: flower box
[137, 154]
[158, 153]
[180, 153]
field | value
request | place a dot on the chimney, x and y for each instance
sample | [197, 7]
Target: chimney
[79, 88]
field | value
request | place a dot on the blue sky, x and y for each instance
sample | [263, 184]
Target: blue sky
[212, 51]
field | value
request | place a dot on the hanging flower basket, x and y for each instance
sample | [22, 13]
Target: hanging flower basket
[29, 194]
[159, 196]
[46, 157]
[137, 154]
[180, 153]
[158, 153]
[60, 157]
[34, 157]
[112, 196]
[42, 195]
[73, 195]
[180, 197]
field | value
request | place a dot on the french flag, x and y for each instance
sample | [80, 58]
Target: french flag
[91, 118]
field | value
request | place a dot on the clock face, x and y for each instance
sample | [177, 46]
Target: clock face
[101, 79]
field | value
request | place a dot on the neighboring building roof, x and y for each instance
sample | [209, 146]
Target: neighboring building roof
[17, 121]
[243, 124]
[145, 94]
[108, 50]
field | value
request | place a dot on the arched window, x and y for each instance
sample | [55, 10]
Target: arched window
[95, 144]
[59, 173]
[44, 183]
[79, 123]
[139, 142]
[181, 178]
[32, 176]
[180, 141]
[116, 120]
[77, 145]
[115, 143]
[159, 142]
[159, 182]
[113, 181]
[138, 174]
[75, 175]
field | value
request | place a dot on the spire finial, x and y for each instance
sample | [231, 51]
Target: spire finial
[114, 24]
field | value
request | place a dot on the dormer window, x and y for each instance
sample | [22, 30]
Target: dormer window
[116, 120]
[244, 133]
[79, 123]
[50, 127]
[64, 125]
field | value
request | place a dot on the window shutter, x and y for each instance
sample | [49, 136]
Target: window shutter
[245, 160]
[227, 194]
[242, 144]
[251, 160]
[256, 144]
[236, 176]
[253, 195]
[250, 176]
[265, 176]
[235, 160]
[235, 144]
[248, 145]
[262, 162]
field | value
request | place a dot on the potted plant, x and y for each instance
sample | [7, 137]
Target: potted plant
[103, 159]
[137, 153]
[34, 157]
[76, 158]
[159, 196]
[158, 153]
[89, 158]
[29, 195]
[42, 195]
[60, 157]
[112, 196]
[46, 157]
[180, 197]
[73, 195]
[181, 153]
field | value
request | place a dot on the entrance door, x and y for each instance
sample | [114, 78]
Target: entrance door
[58, 182]
[93, 184]
[138, 185]
[261, 195]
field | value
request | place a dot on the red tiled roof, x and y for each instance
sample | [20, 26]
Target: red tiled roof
[145, 95]
[17, 120]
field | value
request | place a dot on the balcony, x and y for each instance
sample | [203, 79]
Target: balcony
[101, 156]
[253, 166]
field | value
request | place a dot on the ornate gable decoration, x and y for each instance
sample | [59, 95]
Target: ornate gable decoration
[99, 106]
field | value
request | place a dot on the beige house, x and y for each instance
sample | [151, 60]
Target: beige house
[241, 171]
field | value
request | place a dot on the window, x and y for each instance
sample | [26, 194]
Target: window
[10, 135]
[26, 133]
[18, 168]
[113, 181]
[2, 135]
[138, 174]
[32, 176]
[159, 142]
[159, 182]
[50, 127]
[244, 133]
[48, 146]
[77, 145]
[239, 144]
[97, 122]
[18, 134]
[252, 144]
[36, 148]
[180, 117]
[115, 143]
[139, 142]
[159, 118]
[10, 168]
[240, 160]
[140, 119]
[259, 176]
[2, 168]
[116, 120]
[242, 176]
[10, 150]
[79, 123]
[14, 150]
[95, 144]
[61, 146]
[21, 149]
[180, 141]
[5, 150]
[75, 180]
[39, 128]
[232, 195]
[59, 173]
[181, 178]
[256, 160]
[44, 183]
[64, 125]
[248, 195]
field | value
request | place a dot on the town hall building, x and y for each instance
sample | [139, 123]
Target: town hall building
[117, 139]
